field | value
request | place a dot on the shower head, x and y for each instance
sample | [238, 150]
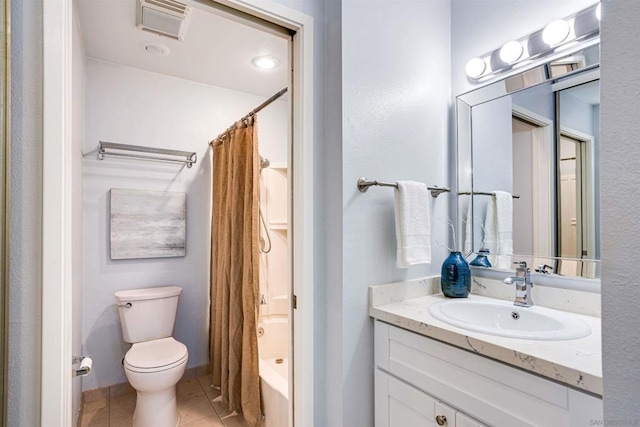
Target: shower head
[264, 163]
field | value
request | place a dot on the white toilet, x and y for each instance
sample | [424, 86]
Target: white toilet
[156, 361]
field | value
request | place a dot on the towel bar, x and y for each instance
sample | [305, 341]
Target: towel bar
[122, 150]
[364, 184]
[483, 193]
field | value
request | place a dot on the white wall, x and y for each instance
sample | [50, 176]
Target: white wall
[78, 98]
[619, 209]
[25, 263]
[130, 106]
[396, 100]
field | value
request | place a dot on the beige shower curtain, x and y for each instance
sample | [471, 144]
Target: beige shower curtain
[234, 270]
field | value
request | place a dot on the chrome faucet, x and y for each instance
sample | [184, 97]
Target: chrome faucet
[522, 280]
[544, 269]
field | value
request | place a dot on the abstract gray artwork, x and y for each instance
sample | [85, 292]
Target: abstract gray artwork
[147, 224]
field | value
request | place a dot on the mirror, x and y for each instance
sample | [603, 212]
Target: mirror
[534, 139]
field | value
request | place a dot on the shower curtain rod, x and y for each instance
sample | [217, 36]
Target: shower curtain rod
[253, 112]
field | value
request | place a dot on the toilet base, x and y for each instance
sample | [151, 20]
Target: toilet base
[157, 409]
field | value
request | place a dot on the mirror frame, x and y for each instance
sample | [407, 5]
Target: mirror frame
[530, 76]
[5, 126]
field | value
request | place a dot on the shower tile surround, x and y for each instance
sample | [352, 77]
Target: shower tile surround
[577, 364]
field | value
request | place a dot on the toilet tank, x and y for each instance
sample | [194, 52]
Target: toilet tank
[148, 314]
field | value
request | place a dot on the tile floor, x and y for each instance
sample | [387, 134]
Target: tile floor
[199, 405]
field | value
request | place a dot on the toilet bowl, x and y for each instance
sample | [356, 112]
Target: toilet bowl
[156, 361]
[153, 368]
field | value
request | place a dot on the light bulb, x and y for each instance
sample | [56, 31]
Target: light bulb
[511, 52]
[265, 62]
[475, 67]
[556, 32]
[599, 12]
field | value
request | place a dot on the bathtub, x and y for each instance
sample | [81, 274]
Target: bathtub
[273, 364]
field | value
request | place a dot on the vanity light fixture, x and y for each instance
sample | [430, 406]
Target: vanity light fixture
[475, 67]
[511, 51]
[556, 32]
[552, 41]
[599, 12]
[265, 62]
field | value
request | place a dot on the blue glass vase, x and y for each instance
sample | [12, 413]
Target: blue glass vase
[455, 276]
[481, 260]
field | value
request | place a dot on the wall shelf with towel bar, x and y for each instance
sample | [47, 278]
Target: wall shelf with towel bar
[364, 184]
[483, 193]
[163, 154]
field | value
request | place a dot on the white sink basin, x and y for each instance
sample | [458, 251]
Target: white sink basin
[502, 318]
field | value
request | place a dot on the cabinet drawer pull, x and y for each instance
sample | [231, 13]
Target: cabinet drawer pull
[441, 420]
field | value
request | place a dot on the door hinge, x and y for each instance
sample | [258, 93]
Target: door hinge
[294, 301]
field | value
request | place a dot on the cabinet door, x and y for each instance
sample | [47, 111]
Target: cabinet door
[463, 420]
[398, 404]
[409, 407]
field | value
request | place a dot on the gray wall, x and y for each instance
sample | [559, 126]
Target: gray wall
[327, 156]
[575, 114]
[620, 185]
[492, 157]
[25, 264]
[538, 99]
[395, 117]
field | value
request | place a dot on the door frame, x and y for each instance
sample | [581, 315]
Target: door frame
[56, 396]
[543, 196]
[586, 197]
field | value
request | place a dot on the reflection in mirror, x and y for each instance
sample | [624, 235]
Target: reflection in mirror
[532, 157]
[578, 178]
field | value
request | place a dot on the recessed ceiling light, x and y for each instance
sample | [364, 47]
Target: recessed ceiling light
[157, 49]
[265, 62]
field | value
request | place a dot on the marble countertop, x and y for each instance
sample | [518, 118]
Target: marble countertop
[576, 363]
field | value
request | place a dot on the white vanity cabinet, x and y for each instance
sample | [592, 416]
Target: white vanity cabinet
[399, 404]
[418, 379]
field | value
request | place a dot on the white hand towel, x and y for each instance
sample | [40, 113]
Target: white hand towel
[413, 228]
[468, 228]
[498, 237]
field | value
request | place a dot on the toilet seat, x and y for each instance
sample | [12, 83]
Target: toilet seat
[155, 356]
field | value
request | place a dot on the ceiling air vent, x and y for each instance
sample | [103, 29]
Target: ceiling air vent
[165, 17]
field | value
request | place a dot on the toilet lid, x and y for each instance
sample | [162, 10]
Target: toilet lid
[156, 355]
